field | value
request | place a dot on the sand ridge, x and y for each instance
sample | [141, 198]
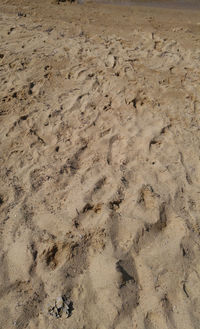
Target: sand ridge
[100, 174]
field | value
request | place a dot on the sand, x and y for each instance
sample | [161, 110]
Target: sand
[100, 170]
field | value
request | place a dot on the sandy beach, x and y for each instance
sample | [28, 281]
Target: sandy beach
[99, 166]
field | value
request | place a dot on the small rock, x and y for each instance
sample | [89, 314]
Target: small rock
[62, 305]
[59, 302]
[111, 61]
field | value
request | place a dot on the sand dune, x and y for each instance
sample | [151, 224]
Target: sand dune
[100, 171]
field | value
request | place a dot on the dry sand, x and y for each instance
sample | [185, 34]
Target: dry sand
[100, 170]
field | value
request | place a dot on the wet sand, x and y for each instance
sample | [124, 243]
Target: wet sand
[174, 4]
[99, 166]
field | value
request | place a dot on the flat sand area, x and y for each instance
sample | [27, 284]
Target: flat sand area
[99, 166]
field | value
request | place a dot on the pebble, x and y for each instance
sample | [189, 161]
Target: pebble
[61, 307]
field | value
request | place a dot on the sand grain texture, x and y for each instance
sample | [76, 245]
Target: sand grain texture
[100, 168]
